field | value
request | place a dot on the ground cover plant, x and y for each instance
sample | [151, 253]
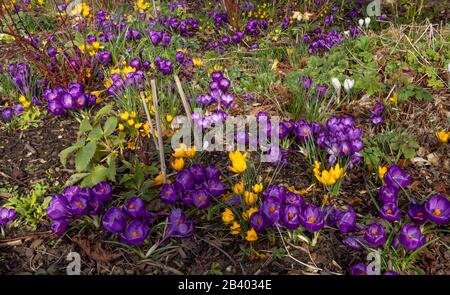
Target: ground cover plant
[115, 139]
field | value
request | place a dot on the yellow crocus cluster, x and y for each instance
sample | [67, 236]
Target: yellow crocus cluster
[259, 12]
[92, 49]
[142, 6]
[328, 177]
[129, 119]
[238, 162]
[24, 101]
[198, 62]
[443, 136]
[184, 152]
[82, 9]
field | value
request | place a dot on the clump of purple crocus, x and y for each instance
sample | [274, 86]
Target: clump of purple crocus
[220, 96]
[60, 99]
[287, 209]
[165, 66]
[395, 179]
[131, 221]
[321, 41]
[196, 186]
[75, 202]
[20, 75]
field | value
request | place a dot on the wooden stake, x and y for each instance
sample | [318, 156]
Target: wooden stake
[186, 106]
[158, 129]
[149, 120]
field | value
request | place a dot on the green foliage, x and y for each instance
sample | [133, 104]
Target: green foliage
[30, 118]
[389, 147]
[97, 149]
[31, 208]
[133, 179]
[413, 91]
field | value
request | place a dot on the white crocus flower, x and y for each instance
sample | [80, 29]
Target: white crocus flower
[367, 22]
[336, 85]
[361, 22]
[348, 84]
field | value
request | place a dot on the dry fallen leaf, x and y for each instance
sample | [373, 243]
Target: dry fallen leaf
[95, 251]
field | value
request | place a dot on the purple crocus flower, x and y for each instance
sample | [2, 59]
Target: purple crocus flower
[224, 84]
[257, 222]
[285, 128]
[294, 199]
[103, 56]
[345, 221]
[178, 225]
[437, 208]
[51, 52]
[78, 206]
[6, 215]
[81, 101]
[179, 56]
[303, 130]
[135, 207]
[55, 107]
[212, 172]
[135, 233]
[306, 81]
[114, 220]
[58, 208]
[354, 243]
[411, 237]
[184, 180]
[312, 218]
[375, 235]
[276, 192]
[271, 210]
[7, 114]
[358, 269]
[95, 206]
[417, 213]
[169, 194]
[103, 191]
[390, 212]
[70, 192]
[59, 226]
[198, 171]
[215, 187]
[216, 76]
[321, 89]
[201, 199]
[388, 194]
[67, 101]
[290, 217]
[397, 178]
[166, 38]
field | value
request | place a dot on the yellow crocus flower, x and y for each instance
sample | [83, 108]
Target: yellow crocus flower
[177, 164]
[443, 136]
[227, 216]
[252, 236]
